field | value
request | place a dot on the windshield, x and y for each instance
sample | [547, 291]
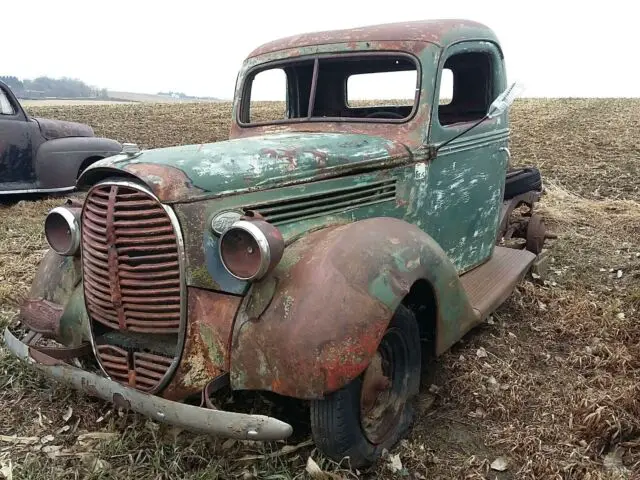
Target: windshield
[375, 87]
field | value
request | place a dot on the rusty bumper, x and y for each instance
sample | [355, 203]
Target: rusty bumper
[203, 420]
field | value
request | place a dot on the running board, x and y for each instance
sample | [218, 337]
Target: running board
[490, 284]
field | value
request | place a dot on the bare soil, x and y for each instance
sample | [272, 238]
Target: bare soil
[550, 385]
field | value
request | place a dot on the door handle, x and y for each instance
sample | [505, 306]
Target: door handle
[505, 149]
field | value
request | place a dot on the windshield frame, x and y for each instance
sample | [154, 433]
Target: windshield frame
[250, 74]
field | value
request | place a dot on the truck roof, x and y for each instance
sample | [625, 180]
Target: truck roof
[437, 31]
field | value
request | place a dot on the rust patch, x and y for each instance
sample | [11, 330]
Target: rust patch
[536, 233]
[42, 316]
[206, 350]
[122, 271]
[290, 155]
[320, 158]
[167, 183]
[295, 334]
[431, 31]
[131, 286]
[43, 358]
[64, 353]
[337, 289]
[373, 382]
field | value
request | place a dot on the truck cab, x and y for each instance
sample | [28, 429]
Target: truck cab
[321, 252]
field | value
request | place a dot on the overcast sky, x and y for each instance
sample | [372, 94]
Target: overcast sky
[553, 48]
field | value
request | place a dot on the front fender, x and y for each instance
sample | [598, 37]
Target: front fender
[55, 304]
[314, 324]
[58, 161]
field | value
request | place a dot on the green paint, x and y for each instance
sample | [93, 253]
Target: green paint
[200, 276]
[400, 262]
[199, 251]
[211, 341]
[74, 323]
[56, 278]
[262, 162]
[261, 297]
[463, 192]
[380, 289]
[421, 257]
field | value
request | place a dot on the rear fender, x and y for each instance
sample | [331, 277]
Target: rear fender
[314, 324]
[58, 161]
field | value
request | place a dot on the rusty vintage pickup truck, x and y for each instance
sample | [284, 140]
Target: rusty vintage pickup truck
[322, 252]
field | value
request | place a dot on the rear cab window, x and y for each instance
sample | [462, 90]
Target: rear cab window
[368, 87]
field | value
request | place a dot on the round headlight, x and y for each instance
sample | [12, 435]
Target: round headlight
[250, 249]
[62, 229]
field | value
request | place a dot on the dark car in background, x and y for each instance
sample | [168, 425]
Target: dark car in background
[44, 155]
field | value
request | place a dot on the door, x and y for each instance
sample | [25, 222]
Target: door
[466, 179]
[16, 143]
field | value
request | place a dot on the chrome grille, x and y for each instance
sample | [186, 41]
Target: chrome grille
[132, 284]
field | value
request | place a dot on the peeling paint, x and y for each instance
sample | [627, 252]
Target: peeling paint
[255, 163]
[354, 273]
[206, 351]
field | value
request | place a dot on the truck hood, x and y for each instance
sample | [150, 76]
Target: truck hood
[228, 167]
[52, 129]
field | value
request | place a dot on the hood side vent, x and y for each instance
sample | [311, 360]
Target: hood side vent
[308, 206]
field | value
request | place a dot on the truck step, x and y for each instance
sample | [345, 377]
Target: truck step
[490, 284]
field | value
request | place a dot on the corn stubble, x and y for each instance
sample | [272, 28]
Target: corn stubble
[549, 387]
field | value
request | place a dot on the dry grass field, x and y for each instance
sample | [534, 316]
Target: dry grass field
[52, 102]
[551, 382]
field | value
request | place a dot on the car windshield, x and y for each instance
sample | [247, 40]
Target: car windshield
[377, 87]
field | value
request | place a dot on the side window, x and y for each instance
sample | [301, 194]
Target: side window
[446, 86]
[466, 89]
[268, 96]
[5, 106]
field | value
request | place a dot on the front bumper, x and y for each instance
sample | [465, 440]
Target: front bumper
[197, 419]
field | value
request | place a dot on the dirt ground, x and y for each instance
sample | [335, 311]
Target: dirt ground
[550, 385]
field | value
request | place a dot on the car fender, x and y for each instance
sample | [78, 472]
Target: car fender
[55, 302]
[58, 161]
[313, 325]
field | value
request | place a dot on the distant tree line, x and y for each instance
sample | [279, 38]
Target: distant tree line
[43, 87]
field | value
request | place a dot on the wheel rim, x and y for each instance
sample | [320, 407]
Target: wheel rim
[384, 388]
[535, 234]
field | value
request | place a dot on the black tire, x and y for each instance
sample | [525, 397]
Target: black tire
[522, 180]
[336, 424]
